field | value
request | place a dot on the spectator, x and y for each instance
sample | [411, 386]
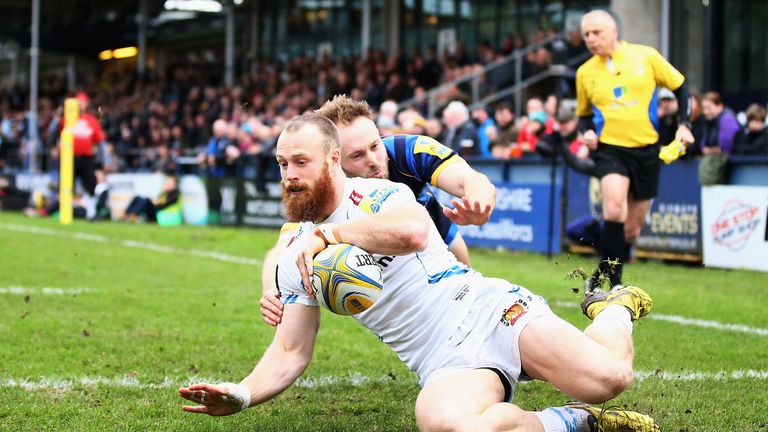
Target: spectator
[532, 131]
[753, 139]
[142, 209]
[484, 122]
[719, 131]
[386, 120]
[460, 133]
[667, 115]
[505, 133]
[222, 152]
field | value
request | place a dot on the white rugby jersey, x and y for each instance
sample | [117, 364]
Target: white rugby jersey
[426, 294]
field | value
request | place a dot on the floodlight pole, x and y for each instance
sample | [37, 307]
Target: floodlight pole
[229, 61]
[142, 61]
[665, 20]
[34, 52]
[365, 37]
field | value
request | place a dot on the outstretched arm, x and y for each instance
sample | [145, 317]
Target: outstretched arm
[477, 195]
[282, 363]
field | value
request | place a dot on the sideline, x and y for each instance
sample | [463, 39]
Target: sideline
[154, 247]
[19, 290]
[354, 379]
[693, 322]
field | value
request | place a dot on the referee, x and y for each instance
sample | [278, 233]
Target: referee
[617, 108]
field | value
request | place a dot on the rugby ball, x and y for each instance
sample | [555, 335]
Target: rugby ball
[346, 279]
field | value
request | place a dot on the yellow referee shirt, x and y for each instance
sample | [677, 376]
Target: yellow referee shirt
[620, 93]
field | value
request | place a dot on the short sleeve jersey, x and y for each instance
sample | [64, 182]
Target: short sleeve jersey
[620, 93]
[425, 295]
[417, 160]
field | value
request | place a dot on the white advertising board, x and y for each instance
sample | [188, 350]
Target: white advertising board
[734, 232]
[123, 187]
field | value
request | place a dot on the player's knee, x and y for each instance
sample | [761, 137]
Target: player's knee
[608, 383]
[613, 211]
[631, 232]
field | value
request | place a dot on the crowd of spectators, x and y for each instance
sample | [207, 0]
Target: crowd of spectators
[184, 119]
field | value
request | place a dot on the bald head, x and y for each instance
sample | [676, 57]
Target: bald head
[600, 33]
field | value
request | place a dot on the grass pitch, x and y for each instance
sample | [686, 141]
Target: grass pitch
[101, 323]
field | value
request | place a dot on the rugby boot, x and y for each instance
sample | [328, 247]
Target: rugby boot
[633, 298]
[616, 419]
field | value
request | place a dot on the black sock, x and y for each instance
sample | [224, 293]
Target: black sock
[613, 254]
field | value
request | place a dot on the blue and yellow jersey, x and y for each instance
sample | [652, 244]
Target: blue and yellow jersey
[620, 93]
[417, 160]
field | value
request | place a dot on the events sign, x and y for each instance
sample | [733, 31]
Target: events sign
[672, 227]
[734, 226]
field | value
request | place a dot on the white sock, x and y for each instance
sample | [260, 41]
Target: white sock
[90, 206]
[618, 313]
[564, 419]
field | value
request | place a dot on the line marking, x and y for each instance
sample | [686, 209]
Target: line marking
[133, 244]
[354, 379]
[694, 322]
[44, 290]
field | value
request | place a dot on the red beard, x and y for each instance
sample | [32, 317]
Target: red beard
[304, 202]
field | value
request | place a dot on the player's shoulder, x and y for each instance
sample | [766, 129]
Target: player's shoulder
[645, 50]
[370, 194]
[588, 66]
[369, 184]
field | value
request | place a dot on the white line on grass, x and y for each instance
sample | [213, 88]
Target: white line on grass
[740, 328]
[44, 290]
[132, 244]
[354, 379]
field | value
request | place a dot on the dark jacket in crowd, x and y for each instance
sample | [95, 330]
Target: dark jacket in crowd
[751, 143]
[462, 140]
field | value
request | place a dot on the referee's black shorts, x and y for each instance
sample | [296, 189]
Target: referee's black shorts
[640, 164]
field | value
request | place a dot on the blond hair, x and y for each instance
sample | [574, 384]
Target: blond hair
[343, 110]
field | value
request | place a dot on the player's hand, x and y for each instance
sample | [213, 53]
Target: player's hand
[314, 245]
[212, 398]
[684, 135]
[271, 308]
[590, 139]
[468, 212]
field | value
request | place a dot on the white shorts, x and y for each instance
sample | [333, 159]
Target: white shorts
[488, 337]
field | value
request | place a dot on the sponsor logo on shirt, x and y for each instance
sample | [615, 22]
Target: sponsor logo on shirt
[372, 203]
[513, 313]
[619, 92]
[355, 197]
[297, 235]
[462, 293]
[431, 146]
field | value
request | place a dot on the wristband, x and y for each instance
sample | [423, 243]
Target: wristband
[329, 233]
[238, 395]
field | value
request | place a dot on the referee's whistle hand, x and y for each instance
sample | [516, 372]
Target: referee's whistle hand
[590, 139]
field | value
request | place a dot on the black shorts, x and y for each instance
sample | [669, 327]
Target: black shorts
[640, 164]
[85, 170]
